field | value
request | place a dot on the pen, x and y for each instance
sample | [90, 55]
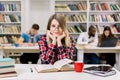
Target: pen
[31, 70]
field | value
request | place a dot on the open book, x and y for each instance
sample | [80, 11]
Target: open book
[60, 65]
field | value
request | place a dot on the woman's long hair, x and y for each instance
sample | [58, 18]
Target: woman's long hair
[106, 28]
[62, 23]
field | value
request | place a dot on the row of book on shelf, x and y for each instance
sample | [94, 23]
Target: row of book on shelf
[93, 18]
[77, 29]
[83, 6]
[10, 7]
[8, 39]
[104, 6]
[70, 7]
[10, 18]
[105, 18]
[7, 29]
[76, 18]
[115, 28]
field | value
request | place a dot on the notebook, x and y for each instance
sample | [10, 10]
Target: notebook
[109, 42]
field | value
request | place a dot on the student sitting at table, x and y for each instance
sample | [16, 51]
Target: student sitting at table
[30, 39]
[107, 35]
[56, 44]
[89, 38]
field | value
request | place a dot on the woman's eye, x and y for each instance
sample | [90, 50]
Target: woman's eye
[53, 25]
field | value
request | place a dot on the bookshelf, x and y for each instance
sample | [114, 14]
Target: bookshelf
[98, 13]
[105, 13]
[75, 12]
[80, 14]
[10, 20]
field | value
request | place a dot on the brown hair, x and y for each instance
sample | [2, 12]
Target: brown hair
[35, 26]
[62, 23]
[103, 35]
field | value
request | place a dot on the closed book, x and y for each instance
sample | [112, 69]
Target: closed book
[1, 7]
[117, 25]
[6, 61]
[83, 5]
[1, 18]
[7, 69]
[8, 74]
[76, 28]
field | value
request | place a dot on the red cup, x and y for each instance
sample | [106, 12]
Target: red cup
[78, 66]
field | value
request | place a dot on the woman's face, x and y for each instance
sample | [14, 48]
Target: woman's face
[55, 29]
[107, 33]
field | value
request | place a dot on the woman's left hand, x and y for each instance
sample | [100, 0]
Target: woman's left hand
[59, 38]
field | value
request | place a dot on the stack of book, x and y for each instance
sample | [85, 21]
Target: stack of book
[7, 68]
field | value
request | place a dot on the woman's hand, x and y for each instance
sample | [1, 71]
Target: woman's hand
[49, 34]
[59, 38]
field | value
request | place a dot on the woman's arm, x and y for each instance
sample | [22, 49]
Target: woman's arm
[46, 51]
[66, 52]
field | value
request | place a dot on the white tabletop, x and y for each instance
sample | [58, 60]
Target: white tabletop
[24, 73]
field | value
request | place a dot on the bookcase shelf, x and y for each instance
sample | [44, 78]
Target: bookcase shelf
[10, 20]
[104, 13]
[75, 12]
[10, 0]
[107, 9]
[68, 22]
[69, 0]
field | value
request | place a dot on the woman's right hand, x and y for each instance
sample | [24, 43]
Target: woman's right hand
[49, 34]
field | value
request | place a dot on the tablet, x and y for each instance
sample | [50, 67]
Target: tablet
[98, 68]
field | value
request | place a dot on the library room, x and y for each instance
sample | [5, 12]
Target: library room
[59, 39]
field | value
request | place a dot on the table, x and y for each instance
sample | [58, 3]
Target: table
[81, 50]
[24, 73]
[24, 49]
[91, 49]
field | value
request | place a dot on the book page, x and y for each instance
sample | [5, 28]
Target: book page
[45, 68]
[58, 64]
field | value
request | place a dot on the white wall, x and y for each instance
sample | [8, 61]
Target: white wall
[37, 11]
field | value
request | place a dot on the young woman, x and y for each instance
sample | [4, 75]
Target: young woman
[110, 58]
[56, 44]
[89, 38]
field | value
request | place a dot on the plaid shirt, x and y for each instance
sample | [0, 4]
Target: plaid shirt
[51, 53]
